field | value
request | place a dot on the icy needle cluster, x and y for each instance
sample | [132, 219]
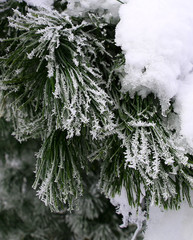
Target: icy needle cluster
[68, 93]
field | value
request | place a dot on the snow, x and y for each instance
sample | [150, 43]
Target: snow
[184, 107]
[156, 37]
[171, 224]
[77, 7]
[129, 213]
[40, 3]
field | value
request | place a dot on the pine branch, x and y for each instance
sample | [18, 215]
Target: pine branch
[50, 66]
[145, 157]
[143, 154]
[59, 170]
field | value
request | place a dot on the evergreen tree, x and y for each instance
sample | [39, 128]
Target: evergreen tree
[62, 99]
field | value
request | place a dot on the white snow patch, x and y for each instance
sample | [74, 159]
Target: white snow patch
[40, 3]
[77, 7]
[129, 213]
[171, 224]
[156, 37]
[184, 107]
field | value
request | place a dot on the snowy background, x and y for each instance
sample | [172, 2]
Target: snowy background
[171, 224]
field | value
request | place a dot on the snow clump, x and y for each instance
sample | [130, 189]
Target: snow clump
[156, 37]
[129, 213]
[77, 7]
[40, 3]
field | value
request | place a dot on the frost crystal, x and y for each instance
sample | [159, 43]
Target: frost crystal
[70, 94]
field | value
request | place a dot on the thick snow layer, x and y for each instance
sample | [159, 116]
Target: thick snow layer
[157, 39]
[40, 3]
[170, 225]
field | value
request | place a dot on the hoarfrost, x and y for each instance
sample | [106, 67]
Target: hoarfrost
[77, 87]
